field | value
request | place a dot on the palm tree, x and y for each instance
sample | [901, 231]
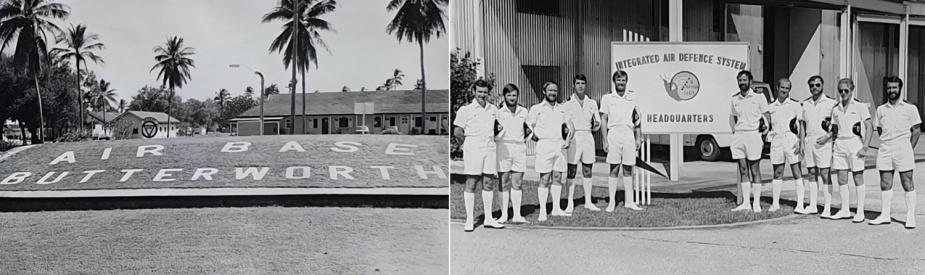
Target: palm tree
[221, 97]
[122, 105]
[174, 62]
[417, 21]
[28, 22]
[307, 36]
[393, 82]
[103, 98]
[80, 45]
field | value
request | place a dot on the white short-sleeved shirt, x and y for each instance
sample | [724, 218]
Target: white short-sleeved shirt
[896, 121]
[513, 123]
[846, 116]
[477, 121]
[546, 120]
[619, 109]
[783, 113]
[816, 111]
[581, 114]
[748, 110]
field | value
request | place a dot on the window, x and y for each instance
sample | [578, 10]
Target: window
[418, 121]
[392, 121]
[315, 123]
[377, 122]
[404, 120]
[344, 123]
[135, 131]
[433, 118]
[288, 123]
[539, 7]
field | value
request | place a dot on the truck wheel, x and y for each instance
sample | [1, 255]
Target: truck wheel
[708, 148]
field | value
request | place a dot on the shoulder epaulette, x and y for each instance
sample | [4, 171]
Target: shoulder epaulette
[794, 100]
[829, 97]
[855, 100]
[808, 98]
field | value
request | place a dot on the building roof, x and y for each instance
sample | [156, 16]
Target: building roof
[336, 103]
[98, 116]
[160, 117]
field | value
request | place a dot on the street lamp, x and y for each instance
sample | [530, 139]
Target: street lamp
[262, 89]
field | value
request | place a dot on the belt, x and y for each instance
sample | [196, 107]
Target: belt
[583, 130]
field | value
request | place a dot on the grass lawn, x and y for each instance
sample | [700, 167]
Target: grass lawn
[258, 240]
[664, 211]
[189, 154]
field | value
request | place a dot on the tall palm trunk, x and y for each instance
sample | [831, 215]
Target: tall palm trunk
[303, 102]
[41, 114]
[80, 102]
[169, 103]
[423, 92]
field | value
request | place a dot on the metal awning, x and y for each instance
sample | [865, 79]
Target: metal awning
[880, 6]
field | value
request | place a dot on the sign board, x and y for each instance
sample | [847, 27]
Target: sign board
[682, 87]
[363, 108]
[149, 128]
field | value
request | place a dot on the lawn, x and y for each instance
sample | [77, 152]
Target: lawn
[665, 210]
[329, 161]
[262, 240]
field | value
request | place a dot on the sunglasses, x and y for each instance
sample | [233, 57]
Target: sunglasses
[816, 85]
[844, 91]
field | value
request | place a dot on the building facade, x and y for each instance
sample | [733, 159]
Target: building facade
[133, 123]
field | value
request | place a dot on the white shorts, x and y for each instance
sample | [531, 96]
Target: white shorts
[582, 148]
[845, 156]
[550, 156]
[479, 156]
[896, 155]
[746, 145]
[622, 146]
[512, 156]
[817, 155]
[782, 149]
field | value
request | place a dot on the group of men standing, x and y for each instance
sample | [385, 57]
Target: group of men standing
[828, 134]
[494, 139]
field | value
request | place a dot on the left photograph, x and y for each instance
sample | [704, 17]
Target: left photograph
[224, 137]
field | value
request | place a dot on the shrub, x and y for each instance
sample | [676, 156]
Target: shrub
[74, 137]
[6, 145]
[390, 131]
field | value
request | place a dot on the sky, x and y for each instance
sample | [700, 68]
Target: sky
[224, 32]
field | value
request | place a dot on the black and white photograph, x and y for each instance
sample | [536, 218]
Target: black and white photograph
[686, 137]
[224, 137]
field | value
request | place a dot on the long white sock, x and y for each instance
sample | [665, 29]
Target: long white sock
[775, 191]
[517, 197]
[746, 192]
[801, 190]
[612, 189]
[628, 191]
[827, 194]
[587, 184]
[542, 193]
[756, 192]
[487, 197]
[470, 205]
[843, 191]
[886, 199]
[506, 202]
[862, 193]
[813, 193]
[556, 196]
[910, 206]
[571, 189]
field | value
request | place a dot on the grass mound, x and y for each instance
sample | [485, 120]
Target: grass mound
[665, 210]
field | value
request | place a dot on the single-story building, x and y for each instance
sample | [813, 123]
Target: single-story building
[102, 123]
[334, 113]
[133, 123]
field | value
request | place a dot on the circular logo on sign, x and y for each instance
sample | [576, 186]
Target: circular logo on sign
[682, 86]
[149, 129]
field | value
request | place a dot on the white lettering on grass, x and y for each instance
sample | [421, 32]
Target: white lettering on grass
[240, 173]
[128, 173]
[44, 179]
[394, 149]
[67, 156]
[16, 178]
[149, 149]
[236, 147]
[306, 172]
[106, 153]
[423, 174]
[204, 173]
[163, 173]
[90, 173]
[384, 170]
[343, 171]
[292, 145]
[348, 146]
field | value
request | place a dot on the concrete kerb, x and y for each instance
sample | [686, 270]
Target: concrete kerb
[669, 228]
[11, 152]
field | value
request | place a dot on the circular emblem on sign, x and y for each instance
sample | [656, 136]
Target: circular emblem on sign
[149, 129]
[682, 86]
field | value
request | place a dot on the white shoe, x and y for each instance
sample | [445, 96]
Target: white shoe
[519, 220]
[756, 208]
[610, 207]
[880, 220]
[489, 223]
[470, 225]
[502, 219]
[826, 214]
[910, 224]
[800, 210]
[542, 218]
[592, 207]
[811, 210]
[741, 207]
[560, 213]
[570, 208]
[774, 208]
[858, 218]
[842, 214]
[632, 206]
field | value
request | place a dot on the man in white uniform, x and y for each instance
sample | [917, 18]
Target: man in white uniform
[898, 123]
[583, 113]
[849, 150]
[747, 109]
[512, 152]
[817, 117]
[475, 127]
[785, 132]
[619, 111]
[546, 120]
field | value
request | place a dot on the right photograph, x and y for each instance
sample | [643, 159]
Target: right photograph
[695, 136]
